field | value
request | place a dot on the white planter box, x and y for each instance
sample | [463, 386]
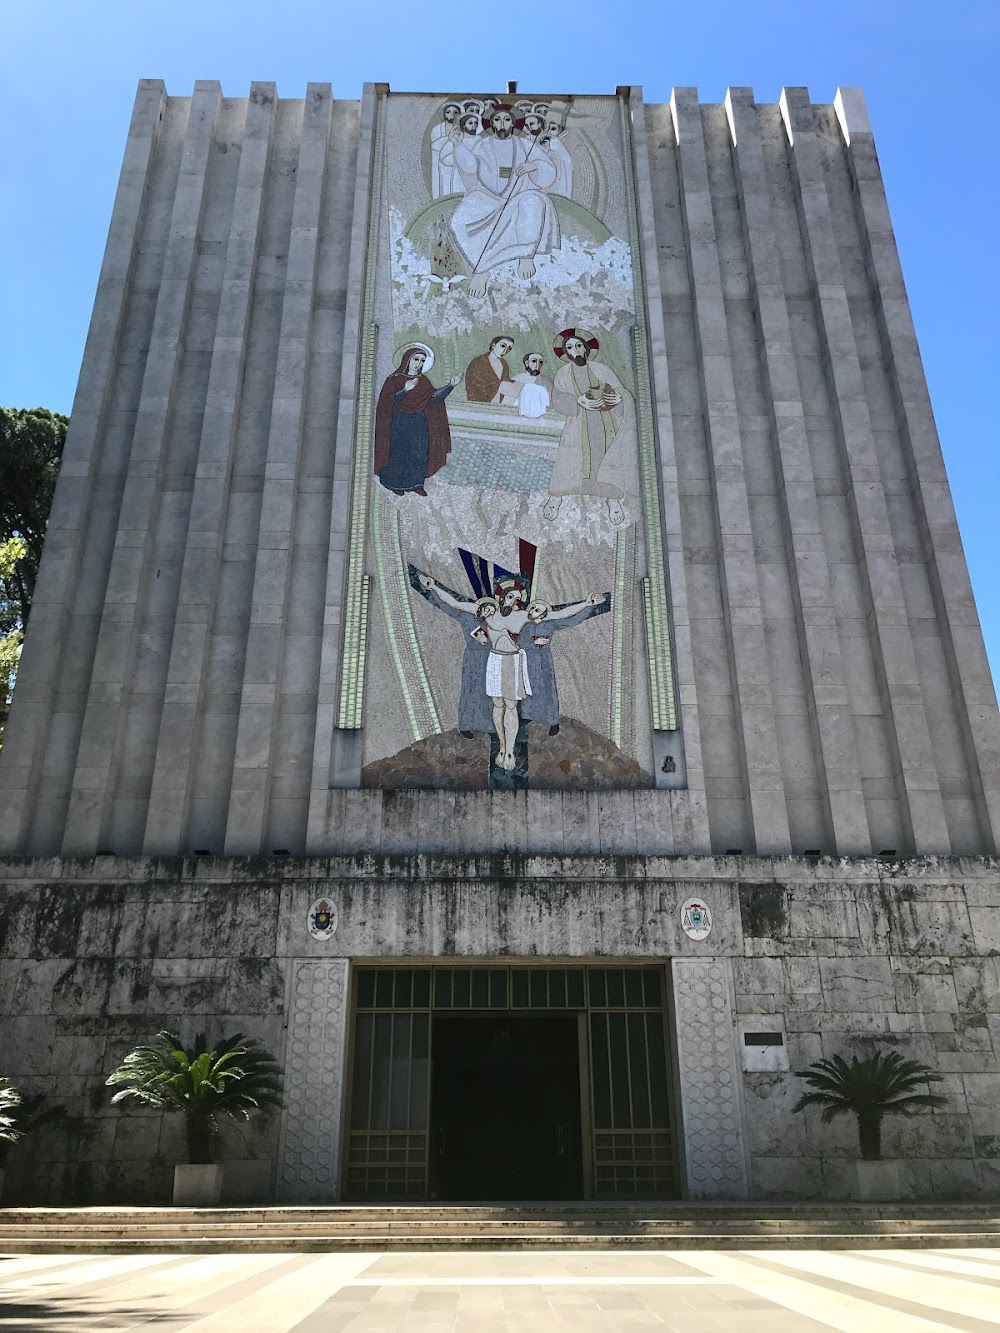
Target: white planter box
[877, 1180]
[197, 1186]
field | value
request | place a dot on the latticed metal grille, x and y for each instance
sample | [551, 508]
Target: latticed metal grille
[629, 1142]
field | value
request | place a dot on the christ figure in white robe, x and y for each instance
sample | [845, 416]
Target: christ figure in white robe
[506, 680]
[506, 213]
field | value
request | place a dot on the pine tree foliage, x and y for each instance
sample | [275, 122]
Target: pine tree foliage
[869, 1089]
[31, 445]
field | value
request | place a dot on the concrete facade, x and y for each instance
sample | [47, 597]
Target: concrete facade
[841, 955]
[174, 724]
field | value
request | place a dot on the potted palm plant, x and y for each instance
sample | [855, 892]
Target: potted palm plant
[235, 1078]
[22, 1117]
[870, 1089]
[10, 1100]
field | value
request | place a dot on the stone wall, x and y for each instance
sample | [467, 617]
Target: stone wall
[845, 955]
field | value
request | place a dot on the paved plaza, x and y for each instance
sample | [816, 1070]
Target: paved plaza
[768, 1291]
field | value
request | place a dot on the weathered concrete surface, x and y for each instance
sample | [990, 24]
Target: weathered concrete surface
[98, 953]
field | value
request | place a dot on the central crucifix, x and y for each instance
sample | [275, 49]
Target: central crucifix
[508, 674]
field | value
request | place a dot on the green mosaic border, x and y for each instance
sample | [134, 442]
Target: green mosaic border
[618, 635]
[350, 709]
[659, 652]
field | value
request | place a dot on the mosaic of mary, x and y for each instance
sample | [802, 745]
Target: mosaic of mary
[412, 435]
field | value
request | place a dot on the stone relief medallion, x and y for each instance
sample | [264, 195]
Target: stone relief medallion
[696, 919]
[321, 919]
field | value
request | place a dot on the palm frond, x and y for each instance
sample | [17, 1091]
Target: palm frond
[872, 1087]
[231, 1078]
[10, 1100]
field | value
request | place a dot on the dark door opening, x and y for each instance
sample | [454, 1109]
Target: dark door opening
[505, 1107]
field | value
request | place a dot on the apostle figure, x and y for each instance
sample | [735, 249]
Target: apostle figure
[553, 144]
[506, 681]
[506, 213]
[487, 377]
[543, 704]
[474, 708]
[412, 436]
[444, 174]
[465, 131]
[536, 393]
[597, 453]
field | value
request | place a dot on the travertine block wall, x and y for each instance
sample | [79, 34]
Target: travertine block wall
[178, 682]
[845, 955]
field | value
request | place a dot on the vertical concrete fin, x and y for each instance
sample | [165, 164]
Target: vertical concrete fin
[317, 833]
[252, 770]
[176, 750]
[971, 683]
[918, 788]
[762, 775]
[696, 824]
[831, 725]
[852, 112]
[102, 734]
[27, 730]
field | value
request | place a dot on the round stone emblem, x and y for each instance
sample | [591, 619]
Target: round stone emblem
[696, 919]
[321, 919]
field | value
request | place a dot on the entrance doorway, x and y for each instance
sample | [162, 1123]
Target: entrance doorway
[515, 1082]
[505, 1108]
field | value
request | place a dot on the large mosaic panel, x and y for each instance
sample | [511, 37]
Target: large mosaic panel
[506, 619]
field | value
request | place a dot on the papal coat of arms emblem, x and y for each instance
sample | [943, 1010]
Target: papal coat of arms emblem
[321, 919]
[696, 919]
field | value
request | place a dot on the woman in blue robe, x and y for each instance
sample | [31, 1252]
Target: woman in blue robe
[412, 435]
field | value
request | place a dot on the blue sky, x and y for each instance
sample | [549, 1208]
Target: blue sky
[67, 79]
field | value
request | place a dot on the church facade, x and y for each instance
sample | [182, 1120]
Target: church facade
[503, 641]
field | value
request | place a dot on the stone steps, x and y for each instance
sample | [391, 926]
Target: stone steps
[526, 1226]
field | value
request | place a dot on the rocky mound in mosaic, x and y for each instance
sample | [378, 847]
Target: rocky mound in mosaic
[576, 758]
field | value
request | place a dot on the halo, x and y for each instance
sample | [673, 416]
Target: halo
[397, 355]
[559, 346]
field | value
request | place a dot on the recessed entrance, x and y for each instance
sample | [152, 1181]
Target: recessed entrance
[510, 1083]
[505, 1108]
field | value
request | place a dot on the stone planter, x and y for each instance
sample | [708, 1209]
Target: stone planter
[877, 1181]
[197, 1186]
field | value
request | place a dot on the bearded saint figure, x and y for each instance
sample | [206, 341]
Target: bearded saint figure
[597, 453]
[506, 213]
[444, 176]
[412, 435]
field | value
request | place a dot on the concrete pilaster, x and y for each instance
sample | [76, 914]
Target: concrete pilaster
[712, 1115]
[685, 675]
[199, 586]
[103, 725]
[252, 770]
[28, 728]
[317, 835]
[955, 608]
[922, 809]
[741, 594]
[310, 1149]
[816, 622]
